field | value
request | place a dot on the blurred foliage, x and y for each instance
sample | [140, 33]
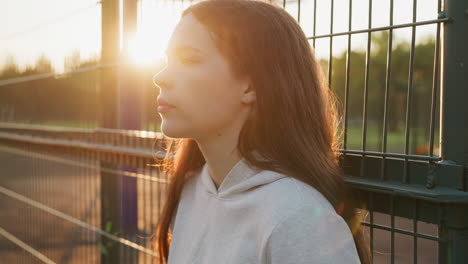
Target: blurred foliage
[70, 97]
[398, 93]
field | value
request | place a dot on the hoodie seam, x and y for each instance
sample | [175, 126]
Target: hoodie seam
[216, 197]
[299, 190]
[240, 195]
[318, 197]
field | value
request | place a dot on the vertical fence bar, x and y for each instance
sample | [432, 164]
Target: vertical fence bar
[81, 177]
[454, 109]
[330, 55]
[94, 190]
[108, 97]
[366, 90]
[454, 81]
[89, 204]
[314, 30]
[371, 220]
[348, 66]
[392, 233]
[415, 230]
[442, 233]
[299, 11]
[409, 96]
[129, 119]
[435, 80]
[49, 200]
[33, 214]
[387, 93]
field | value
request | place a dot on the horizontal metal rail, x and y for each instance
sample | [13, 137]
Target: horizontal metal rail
[25, 246]
[144, 153]
[438, 194]
[440, 20]
[73, 220]
[40, 76]
[388, 154]
[404, 232]
[82, 165]
[60, 129]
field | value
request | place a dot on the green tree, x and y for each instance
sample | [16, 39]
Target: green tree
[399, 84]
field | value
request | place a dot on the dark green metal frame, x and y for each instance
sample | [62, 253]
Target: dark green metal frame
[429, 188]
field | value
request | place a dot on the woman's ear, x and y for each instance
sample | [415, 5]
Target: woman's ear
[249, 95]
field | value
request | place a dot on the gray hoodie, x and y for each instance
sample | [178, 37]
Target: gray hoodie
[259, 217]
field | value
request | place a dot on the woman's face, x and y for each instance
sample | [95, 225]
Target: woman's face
[198, 81]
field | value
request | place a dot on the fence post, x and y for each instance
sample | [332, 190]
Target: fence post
[129, 119]
[109, 185]
[454, 117]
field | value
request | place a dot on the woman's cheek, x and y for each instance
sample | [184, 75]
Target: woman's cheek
[204, 92]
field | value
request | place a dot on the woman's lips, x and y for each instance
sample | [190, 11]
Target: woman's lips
[164, 108]
[163, 105]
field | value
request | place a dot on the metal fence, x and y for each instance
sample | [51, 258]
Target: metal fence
[87, 195]
[40, 98]
[57, 201]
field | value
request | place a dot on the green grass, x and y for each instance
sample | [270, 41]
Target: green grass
[418, 143]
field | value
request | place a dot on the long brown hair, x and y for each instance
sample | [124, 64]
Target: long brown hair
[293, 123]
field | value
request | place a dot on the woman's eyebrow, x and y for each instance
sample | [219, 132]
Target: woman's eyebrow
[183, 48]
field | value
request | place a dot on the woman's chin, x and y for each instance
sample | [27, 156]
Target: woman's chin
[170, 131]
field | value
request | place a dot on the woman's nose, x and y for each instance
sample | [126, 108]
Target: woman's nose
[157, 79]
[160, 80]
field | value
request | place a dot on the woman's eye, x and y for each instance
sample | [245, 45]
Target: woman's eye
[189, 60]
[166, 61]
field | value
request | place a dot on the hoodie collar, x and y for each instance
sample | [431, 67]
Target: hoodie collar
[239, 179]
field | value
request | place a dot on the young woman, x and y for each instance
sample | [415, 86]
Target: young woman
[253, 173]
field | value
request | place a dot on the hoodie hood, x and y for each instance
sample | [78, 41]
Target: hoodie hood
[241, 178]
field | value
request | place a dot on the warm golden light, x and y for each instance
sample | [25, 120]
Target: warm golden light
[154, 30]
[143, 50]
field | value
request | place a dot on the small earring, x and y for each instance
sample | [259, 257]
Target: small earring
[250, 98]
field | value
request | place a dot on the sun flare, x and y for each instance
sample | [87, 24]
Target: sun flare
[144, 50]
[149, 42]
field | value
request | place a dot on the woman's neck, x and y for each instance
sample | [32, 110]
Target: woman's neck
[220, 154]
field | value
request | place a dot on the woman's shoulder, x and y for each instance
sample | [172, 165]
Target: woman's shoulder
[313, 228]
[289, 194]
[313, 234]
[284, 202]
